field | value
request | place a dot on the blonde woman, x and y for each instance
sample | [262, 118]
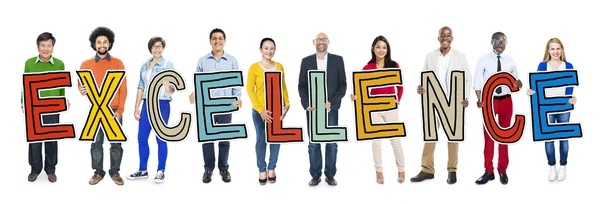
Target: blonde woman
[555, 60]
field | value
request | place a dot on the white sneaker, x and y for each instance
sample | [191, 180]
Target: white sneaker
[562, 173]
[552, 173]
[160, 176]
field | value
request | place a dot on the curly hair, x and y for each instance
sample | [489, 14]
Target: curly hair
[102, 31]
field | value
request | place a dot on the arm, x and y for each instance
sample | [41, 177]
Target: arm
[341, 91]
[286, 101]
[478, 79]
[303, 84]
[251, 83]
[25, 71]
[171, 88]
[122, 92]
[569, 90]
[468, 83]
[399, 89]
[236, 91]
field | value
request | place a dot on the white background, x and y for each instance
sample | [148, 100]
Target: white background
[411, 29]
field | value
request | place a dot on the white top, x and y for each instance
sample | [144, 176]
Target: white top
[444, 64]
[488, 65]
[147, 75]
[556, 91]
[322, 63]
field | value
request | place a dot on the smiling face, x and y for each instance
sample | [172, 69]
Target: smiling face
[445, 38]
[267, 50]
[321, 42]
[499, 44]
[45, 49]
[157, 49]
[555, 51]
[102, 45]
[380, 49]
[217, 42]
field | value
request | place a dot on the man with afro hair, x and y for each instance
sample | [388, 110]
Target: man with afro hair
[101, 40]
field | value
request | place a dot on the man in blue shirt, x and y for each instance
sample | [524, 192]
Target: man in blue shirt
[218, 60]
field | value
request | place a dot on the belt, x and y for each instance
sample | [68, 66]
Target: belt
[502, 97]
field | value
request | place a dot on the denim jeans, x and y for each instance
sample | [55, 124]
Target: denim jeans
[314, 151]
[97, 152]
[261, 145]
[208, 149]
[564, 144]
[50, 152]
[144, 130]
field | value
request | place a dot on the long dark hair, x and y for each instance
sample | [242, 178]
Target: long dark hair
[388, 62]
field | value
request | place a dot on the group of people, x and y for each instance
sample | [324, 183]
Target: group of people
[442, 60]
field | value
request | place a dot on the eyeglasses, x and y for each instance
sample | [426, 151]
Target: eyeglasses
[322, 39]
[500, 42]
[157, 47]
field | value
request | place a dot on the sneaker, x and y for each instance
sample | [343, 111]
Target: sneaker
[138, 175]
[552, 173]
[562, 173]
[160, 177]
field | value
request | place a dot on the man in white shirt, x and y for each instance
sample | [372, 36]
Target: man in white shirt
[442, 61]
[488, 65]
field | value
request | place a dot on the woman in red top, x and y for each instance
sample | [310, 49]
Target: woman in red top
[381, 59]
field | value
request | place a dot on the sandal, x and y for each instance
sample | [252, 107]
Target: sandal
[380, 177]
[273, 179]
[262, 182]
[400, 177]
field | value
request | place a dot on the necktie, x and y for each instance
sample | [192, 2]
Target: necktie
[499, 90]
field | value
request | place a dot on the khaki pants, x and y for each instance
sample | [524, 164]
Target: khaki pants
[381, 117]
[429, 150]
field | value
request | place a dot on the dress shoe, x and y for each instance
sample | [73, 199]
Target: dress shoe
[421, 176]
[314, 181]
[487, 176]
[225, 176]
[207, 177]
[52, 178]
[117, 179]
[503, 178]
[32, 177]
[331, 181]
[95, 179]
[451, 178]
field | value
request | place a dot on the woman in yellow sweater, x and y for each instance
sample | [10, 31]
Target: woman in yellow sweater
[256, 91]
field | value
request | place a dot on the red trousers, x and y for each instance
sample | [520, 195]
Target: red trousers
[504, 109]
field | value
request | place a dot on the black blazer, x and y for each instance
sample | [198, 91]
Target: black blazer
[336, 79]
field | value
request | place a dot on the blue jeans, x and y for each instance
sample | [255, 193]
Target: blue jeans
[261, 145]
[144, 133]
[314, 151]
[208, 149]
[564, 144]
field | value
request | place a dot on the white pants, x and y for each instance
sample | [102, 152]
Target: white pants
[381, 117]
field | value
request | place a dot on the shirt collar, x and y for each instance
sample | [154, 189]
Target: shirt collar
[224, 56]
[160, 62]
[97, 58]
[495, 55]
[51, 60]
[324, 57]
[447, 55]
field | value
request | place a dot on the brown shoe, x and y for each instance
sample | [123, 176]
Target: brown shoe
[95, 179]
[32, 177]
[421, 176]
[52, 178]
[117, 179]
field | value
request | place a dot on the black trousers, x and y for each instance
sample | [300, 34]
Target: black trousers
[51, 151]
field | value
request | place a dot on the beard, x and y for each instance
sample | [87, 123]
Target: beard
[102, 53]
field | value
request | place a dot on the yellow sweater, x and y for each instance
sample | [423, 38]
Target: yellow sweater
[256, 86]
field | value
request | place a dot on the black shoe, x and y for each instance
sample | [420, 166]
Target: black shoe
[225, 176]
[503, 178]
[421, 176]
[451, 178]
[262, 181]
[487, 176]
[331, 181]
[314, 181]
[273, 180]
[206, 178]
